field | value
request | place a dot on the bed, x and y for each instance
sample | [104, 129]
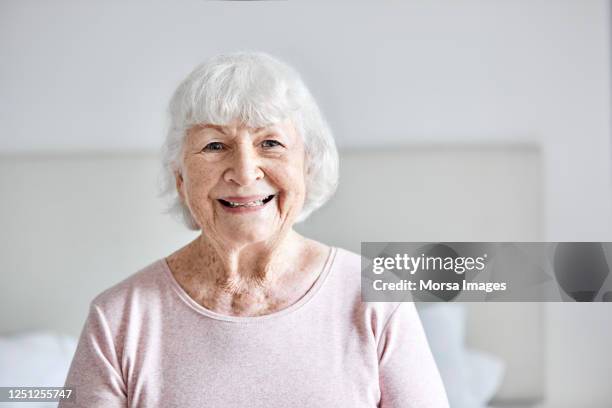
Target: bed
[407, 193]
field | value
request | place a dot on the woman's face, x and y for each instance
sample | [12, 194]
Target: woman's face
[243, 185]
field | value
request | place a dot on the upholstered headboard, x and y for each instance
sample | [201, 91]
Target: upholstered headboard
[75, 224]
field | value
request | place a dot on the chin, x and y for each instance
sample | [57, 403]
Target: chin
[251, 235]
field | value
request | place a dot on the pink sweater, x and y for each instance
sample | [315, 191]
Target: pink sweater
[146, 343]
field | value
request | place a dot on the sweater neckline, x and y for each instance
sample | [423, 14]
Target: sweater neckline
[314, 289]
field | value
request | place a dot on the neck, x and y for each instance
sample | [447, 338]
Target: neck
[245, 268]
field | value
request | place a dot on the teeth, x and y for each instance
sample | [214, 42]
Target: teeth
[249, 204]
[255, 203]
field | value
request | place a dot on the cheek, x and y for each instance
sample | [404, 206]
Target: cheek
[198, 188]
[291, 179]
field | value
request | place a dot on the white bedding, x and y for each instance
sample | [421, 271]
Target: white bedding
[471, 377]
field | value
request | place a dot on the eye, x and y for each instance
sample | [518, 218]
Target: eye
[269, 144]
[214, 147]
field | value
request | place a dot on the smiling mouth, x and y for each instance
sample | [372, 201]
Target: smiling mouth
[254, 203]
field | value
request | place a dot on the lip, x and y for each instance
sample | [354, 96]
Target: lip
[246, 199]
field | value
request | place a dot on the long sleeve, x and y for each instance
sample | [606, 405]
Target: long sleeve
[95, 371]
[408, 373]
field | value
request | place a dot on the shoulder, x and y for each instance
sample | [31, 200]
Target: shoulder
[346, 278]
[346, 263]
[141, 286]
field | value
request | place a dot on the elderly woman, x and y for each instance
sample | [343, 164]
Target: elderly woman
[250, 313]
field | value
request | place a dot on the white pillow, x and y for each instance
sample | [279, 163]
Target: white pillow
[485, 374]
[35, 358]
[470, 377]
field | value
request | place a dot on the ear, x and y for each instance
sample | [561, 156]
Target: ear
[178, 177]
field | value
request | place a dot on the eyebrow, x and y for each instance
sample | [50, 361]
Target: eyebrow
[215, 127]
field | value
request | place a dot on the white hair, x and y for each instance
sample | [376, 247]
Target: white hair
[259, 90]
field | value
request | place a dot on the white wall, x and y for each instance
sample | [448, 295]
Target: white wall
[97, 75]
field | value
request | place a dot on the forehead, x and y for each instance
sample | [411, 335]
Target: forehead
[235, 127]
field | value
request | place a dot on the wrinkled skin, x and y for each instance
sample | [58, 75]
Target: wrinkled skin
[248, 263]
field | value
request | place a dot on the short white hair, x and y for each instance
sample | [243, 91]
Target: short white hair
[258, 90]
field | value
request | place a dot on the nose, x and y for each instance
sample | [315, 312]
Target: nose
[245, 166]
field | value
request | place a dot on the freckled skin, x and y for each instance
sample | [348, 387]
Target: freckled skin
[247, 264]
